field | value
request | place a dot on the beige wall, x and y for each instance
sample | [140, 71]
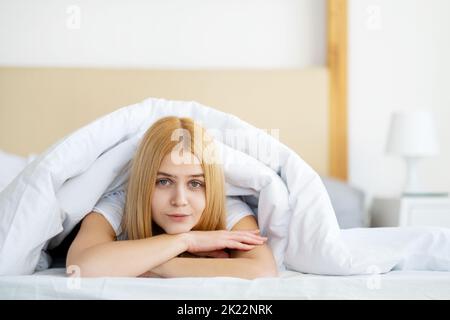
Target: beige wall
[40, 105]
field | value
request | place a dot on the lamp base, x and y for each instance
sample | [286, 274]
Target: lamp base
[412, 185]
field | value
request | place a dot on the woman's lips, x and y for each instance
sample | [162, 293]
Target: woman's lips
[178, 217]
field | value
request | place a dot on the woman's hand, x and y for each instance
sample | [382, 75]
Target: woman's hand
[215, 241]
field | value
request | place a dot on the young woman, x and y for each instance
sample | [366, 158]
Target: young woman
[174, 209]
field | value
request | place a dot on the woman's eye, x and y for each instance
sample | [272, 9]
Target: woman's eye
[163, 182]
[196, 184]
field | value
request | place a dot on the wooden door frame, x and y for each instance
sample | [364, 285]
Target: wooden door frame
[337, 15]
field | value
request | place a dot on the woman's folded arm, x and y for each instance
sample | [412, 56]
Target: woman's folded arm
[248, 264]
[245, 268]
[94, 252]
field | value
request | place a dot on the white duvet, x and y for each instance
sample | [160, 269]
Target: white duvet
[54, 192]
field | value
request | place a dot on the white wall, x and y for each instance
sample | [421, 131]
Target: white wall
[163, 33]
[398, 60]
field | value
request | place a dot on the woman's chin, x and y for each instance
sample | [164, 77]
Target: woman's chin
[177, 230]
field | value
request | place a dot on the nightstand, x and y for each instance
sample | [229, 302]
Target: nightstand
[411, 211]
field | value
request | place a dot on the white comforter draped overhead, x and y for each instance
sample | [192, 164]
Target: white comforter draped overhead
[54, 192]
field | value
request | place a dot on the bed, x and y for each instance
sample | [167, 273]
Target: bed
[53, 284]
[39, 118]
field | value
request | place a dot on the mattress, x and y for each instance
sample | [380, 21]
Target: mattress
[53, 284]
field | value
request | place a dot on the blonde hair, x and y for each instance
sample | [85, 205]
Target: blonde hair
[155, 145]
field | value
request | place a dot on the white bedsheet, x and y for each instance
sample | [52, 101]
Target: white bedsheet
[53, 284]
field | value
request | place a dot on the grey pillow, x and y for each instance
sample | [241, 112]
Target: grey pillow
[347, 201]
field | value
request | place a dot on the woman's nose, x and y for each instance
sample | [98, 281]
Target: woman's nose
[179, 199]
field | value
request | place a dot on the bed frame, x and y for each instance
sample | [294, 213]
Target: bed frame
[40, 105]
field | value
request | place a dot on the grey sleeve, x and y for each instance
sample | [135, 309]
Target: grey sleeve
[111, 206]
[236, 210]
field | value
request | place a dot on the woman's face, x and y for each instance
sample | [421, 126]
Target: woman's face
[179, 196]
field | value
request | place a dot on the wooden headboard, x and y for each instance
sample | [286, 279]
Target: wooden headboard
[40, 105]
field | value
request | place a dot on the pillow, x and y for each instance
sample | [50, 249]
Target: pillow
[348, 203]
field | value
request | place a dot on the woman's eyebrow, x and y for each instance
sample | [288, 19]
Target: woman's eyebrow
[198, 175]
[172, 176]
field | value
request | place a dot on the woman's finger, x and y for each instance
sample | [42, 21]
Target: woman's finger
[240, 246]
[244, 246]
[255, 236]
[251, 235]
[249, 240]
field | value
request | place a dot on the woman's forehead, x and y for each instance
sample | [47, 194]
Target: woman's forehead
[186, 165]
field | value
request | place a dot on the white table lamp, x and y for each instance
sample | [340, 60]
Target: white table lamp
[412, 134]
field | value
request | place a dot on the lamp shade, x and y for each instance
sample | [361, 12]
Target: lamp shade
[412, 134]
